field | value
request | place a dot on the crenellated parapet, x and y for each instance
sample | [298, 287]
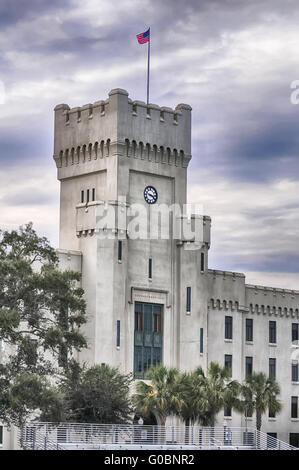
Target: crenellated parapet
[260, 300]
[263, 300]
[120, 126]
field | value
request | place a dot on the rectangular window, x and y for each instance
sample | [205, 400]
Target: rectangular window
[228, 363]
[188, 301]
[148, 337]
[248, 365]
[272, 368]
[201, 340]
[294, 407]
[249, 329]
[150, 268]
[93, 194]
[120, 250]
[295, 331]
[87, 198]
[227, 411]
[202, 262]
[294, 439]
[272, 332]
[118, 333]
[82, 197]
[271, 414]
[1, 434]
[228, 333]
[294, 371]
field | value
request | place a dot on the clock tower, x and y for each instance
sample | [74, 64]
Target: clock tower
[125, 163]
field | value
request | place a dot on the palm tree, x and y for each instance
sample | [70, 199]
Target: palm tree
[191, 405]
[261, 391]
[160, 396]
[218, 390]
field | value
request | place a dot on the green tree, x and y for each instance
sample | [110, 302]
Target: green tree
[98, 394]
[261, 392]
[160, 396]
[41, 312]
[213, 392]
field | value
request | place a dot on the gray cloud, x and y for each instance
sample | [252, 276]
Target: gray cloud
[233, 61]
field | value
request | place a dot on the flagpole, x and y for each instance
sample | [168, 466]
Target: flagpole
[148, 66]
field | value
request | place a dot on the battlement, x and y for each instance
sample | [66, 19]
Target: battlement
[121, 126]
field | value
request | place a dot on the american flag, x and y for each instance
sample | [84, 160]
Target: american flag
[142, 38]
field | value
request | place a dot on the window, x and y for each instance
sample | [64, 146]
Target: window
[120, 250]
[82, 197]
[294, 439]
[147, 337]
[272, 332]
[157, 322]
[228, 363]
[201, 340]
[202, 262]
[227, 411]
[1, 435]
[271, 414]
[150, 268]
[87, 198]
[93, 194]
[248, 366]
[272, 368]
[294, 371]
[295, 331]
[228, 333]
[294, 407]
[188, 301]
[249, 329]
[118, 333]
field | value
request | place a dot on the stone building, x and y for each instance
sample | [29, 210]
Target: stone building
[153, 299]
[150, 299]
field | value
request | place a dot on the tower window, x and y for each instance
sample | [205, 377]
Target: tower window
[93, 194]
[118, 333]
[201, 340]
[120, 250]
[150, 268]
[188, 300]
[82, 197]
[148, 337]
[87, 199]
[202, 261]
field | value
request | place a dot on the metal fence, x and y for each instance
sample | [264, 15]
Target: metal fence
[62, 436]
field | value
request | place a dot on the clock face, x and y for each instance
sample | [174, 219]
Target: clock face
[150, 195]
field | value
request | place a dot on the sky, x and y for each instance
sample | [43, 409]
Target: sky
[233, 61]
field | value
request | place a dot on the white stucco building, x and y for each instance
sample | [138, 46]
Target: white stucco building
[155, 299]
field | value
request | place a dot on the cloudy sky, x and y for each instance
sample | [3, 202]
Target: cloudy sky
[232, 60]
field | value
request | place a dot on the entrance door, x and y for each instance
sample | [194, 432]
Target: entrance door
[147, 337]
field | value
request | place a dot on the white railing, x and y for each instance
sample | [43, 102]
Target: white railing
[48, 436]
